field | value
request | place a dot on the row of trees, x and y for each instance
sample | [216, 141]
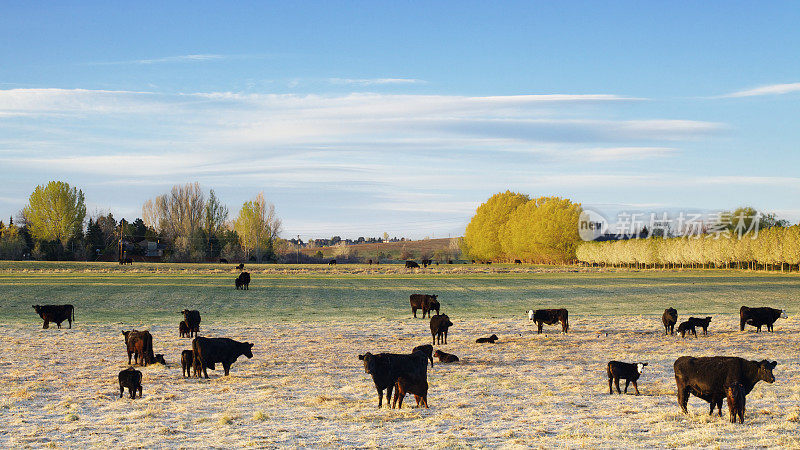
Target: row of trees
[775, 248]
[512, 226]
[187, 223]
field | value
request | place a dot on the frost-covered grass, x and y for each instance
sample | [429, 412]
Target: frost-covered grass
[305, 386]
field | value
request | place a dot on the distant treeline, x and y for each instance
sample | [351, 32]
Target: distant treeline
[775, 248]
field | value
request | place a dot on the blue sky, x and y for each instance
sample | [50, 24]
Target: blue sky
[362, 117]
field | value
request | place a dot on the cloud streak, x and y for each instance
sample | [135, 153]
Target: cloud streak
[773, 89]
[375, 81]
[200, 57]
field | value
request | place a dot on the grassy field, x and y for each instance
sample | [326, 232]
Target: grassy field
[306, 388]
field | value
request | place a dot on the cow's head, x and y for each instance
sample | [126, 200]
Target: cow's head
[37, 308]
[434, 297]
[783, 314]
[708, 318]
[126, 333]
[765, 371]
[369, 361]
[159, 358]
[530, 314]
[438, 353]
[640, 367]
[493, 337]
[248, 350]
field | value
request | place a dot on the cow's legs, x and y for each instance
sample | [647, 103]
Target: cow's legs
[627, 383]
[46, 324]
[129, 358]
[610, 381]
[616, 383]
[445, 336]
[683, 396]
[414, 311]
[121, 390]
[70, 323]
[635, 386]
[227, 367]
[539, 324]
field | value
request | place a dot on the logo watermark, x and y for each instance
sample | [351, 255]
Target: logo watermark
[593, 225]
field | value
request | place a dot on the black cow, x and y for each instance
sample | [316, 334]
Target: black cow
[736, 401]
[669, 319]
[408, 385]
[132, 379]
[183, 329]
[140, 345]
[55, 313]
[192, 319]
[243, 281]
[425, 302]
[550, 317]
[332, 262]
[627, 371]
[386, 368]
[208, 351]
[188, 363]
[412, 265]
[426, 350]
[223, 261]
[485, 340]
[426, 262]
[686, 327]
[517, 261]
[445, 357]
[708, 377]
[440, 323]
[702, 323]
[758, 317]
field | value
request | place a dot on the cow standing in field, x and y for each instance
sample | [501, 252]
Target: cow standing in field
[709, 377]
[183, 329]
[188, 363]
[759, 317]
[669, 319]
[386, 368]
[627, 371]
[425, 302]
[702, 323]
[332, 262]
[550, 317]
[55, 313]
[440, 324]
[208, 351]
[412, 265]
[140, 345]
[243, 281]
[736, 401]
[132, 379]
[192, 319]
[686, 327]
[407, 385]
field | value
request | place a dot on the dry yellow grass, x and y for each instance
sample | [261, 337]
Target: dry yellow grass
[305, 387]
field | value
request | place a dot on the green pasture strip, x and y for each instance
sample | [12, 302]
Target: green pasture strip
[127, 296]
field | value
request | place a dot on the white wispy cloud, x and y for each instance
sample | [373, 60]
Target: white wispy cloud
[773, 89]
[375, 81]
[200, 57]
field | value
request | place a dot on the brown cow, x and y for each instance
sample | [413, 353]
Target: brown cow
[139, 344]
[425, 302]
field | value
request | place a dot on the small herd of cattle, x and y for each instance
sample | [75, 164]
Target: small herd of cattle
[712, 379]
